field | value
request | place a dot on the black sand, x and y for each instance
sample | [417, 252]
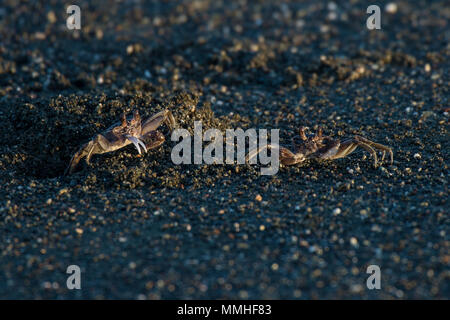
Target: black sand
[142, 227]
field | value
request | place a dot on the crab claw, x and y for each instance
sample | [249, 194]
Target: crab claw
[137, 143]
[319, 132]
[142, 144]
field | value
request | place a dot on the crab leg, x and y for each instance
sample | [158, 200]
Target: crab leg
[287, 157]
[369, 149]
[348, 146]
[76, 158]
[88, 157]
[378, 146]
[257, 151]
[97, 145]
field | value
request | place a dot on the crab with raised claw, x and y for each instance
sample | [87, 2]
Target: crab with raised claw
[143, 134]
[321, 147]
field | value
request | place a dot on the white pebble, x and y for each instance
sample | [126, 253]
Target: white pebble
[332, 6]
[130, 49]
[391, 7]
[332, 16]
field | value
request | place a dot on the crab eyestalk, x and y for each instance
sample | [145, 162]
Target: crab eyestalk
[123, 120]
[136, 116]
[301, 133]
[319, 132]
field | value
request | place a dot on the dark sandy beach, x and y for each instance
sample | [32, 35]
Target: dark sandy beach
[141, 227]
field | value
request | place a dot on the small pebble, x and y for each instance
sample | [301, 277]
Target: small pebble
[391, 7]
[130, 49]
[62, 191]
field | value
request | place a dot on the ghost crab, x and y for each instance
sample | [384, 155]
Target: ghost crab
[321, 147]
[143, 134]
